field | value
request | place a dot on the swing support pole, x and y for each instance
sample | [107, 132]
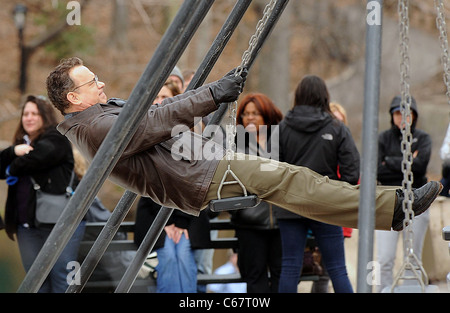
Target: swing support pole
[219, 44]
[146, 89]
[366, 218]
[273, 18]
[198, 79]
[119, 135]
[144, 249]
[119, 213]
[103, 240]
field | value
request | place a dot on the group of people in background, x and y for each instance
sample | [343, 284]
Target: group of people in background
[272, 240]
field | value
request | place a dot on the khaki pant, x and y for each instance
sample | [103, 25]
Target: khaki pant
[302, 191]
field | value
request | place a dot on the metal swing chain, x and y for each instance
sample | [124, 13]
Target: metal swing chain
[231, 128]
[232, 106]
[406, 112]
[442, 27]
[411, 262]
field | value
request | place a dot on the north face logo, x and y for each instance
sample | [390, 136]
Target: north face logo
[327, 136]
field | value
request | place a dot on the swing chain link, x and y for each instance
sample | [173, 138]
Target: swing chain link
[442, 27]
[255, 37]
[410, 262]
[406, 112]
[231, 128]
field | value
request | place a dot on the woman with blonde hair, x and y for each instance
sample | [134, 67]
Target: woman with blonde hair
[339, 111]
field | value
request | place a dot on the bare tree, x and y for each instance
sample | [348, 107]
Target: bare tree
[118, 37]
[274, 62]
[46, 37]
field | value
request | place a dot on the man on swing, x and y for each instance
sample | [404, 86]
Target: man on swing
[153, 165]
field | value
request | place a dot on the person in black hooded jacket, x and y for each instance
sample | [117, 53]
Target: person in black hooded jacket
[390, 157]
[311, 136]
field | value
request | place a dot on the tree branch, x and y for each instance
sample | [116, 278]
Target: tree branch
[51, 34]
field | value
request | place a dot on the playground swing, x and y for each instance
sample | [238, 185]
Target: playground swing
[412, 268]
[247, 200]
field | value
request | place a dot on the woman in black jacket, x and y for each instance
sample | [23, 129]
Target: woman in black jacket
[259, 254]
[40, 152]
[311, 136]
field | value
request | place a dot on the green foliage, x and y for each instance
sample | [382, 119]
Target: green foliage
[74, 40]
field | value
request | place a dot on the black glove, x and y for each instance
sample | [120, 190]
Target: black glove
[244, 74]
[229, 87]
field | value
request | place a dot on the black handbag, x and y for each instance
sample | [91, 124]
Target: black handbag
[50, 206]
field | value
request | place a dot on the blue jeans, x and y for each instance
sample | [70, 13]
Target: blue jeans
[177, 270]
[330, 241]
[31, 241]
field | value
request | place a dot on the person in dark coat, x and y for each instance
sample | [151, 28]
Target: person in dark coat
[390, 158]
[259, 254]
[40, 152]
[311, 136]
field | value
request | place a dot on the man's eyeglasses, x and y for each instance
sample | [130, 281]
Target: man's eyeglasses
[94, 80]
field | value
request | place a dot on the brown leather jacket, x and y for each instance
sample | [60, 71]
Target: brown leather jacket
[153, 164]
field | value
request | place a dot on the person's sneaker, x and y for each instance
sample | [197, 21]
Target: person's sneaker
[423, 197]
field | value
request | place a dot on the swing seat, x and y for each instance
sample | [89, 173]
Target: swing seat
[233, 203]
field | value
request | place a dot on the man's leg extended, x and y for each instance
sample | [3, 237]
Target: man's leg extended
[302, 191]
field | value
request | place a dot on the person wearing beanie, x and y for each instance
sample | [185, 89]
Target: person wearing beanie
[177, 77]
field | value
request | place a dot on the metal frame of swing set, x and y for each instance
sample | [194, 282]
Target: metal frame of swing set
[168, 52]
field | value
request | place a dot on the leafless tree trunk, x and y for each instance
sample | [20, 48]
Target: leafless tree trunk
[274, 63]
[119, 25]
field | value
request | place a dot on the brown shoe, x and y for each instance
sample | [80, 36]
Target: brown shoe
[423, 197]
